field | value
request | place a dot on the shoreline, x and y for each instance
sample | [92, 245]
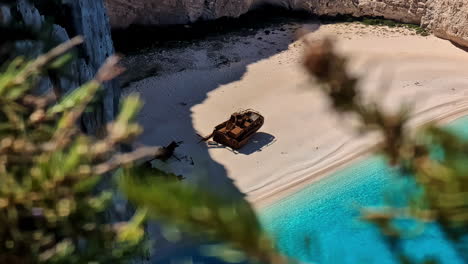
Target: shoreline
[336, 205]
[270, 199]
[302, 141]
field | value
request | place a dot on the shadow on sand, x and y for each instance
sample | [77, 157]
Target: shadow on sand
[258, 142]
[459, 45]
[167, 116]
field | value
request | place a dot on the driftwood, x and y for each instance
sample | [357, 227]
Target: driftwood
[167, 152]
[164, 154]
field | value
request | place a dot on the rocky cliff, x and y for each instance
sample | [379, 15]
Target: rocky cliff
[71, 17]
[447, 18]
[87, 18]
[125, 12]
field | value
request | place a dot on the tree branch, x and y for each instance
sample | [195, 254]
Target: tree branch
[127, 158]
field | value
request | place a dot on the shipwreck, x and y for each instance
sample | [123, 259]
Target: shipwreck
[238, 130]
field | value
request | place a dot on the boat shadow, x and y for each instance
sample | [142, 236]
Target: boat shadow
[168, 116]
[257, 143]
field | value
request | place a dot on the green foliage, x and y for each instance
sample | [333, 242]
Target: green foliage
[202, 213]
[391, 23]
[50, 209]
[445, 180]
[436, 158]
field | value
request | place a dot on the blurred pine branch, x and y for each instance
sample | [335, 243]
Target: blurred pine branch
[51, 209]
[435, 157]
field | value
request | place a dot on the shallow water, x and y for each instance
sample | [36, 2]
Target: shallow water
[320, 224]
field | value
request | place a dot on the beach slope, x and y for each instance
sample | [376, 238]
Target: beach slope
[302, 140]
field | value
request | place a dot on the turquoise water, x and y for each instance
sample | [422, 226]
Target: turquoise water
[320, 224]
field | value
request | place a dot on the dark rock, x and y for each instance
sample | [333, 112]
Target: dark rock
[87, 18]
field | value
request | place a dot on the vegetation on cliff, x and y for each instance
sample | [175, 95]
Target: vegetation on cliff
[50, 210]
[53, 202]
[52, 207]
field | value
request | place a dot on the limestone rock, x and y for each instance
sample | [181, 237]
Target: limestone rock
[155, 12]
[447, 18]
[409, 11]
[5, 14]
[122, 13]
[89, 19]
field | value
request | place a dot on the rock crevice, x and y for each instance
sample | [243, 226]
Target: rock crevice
[76, 17]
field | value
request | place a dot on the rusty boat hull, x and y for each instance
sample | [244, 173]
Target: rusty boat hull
[238, 130]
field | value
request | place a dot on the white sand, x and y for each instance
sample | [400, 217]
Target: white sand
[301, 141]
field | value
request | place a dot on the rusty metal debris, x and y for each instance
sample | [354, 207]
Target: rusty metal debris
[237, 131]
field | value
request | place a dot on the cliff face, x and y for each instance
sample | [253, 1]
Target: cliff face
[77, 17]
[447, 18]
[409, 11]
[87, 18]
[122, 13]
[125, 12]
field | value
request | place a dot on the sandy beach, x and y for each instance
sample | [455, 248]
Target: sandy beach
[302, 141]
